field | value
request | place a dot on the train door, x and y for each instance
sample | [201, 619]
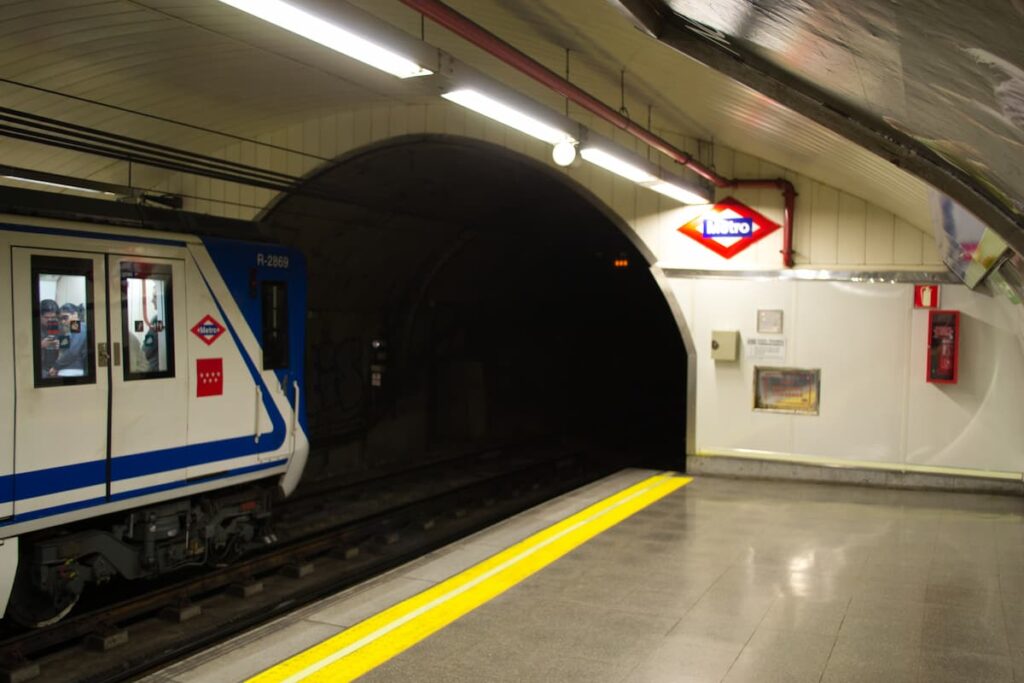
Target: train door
[149, 376]
[61, 383]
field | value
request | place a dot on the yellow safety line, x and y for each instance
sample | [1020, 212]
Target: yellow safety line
[372, 642]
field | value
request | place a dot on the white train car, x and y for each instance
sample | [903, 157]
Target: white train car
[151, 385]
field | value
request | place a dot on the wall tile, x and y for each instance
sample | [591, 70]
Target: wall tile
[879, 231]
[852, 230]
[825, 225]
[907, 243]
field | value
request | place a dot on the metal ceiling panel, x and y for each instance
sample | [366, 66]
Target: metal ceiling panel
[949, 74]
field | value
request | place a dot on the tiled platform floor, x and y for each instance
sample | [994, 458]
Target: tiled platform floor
[740, 580]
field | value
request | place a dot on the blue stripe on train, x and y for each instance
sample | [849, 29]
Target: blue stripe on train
[57, 479]
[92, 502]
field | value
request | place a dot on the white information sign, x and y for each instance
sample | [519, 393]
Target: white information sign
[765, 348]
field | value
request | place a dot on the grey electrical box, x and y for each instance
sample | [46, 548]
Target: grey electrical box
[725, 344]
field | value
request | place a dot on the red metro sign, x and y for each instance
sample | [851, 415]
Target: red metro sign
[729, 227]
[208, 329]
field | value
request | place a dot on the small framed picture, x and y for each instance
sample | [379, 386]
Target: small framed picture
[787, 390]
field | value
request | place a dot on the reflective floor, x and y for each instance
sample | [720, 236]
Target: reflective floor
[760, 581]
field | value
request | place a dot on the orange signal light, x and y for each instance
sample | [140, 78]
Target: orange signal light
[621, 263]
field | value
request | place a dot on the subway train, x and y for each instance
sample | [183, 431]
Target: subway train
[151, 404]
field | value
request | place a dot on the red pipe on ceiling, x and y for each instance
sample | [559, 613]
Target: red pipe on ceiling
[492, 44]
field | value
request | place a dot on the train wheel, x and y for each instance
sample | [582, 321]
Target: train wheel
[35, 609]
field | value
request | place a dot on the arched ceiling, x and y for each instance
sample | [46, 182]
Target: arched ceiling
[208, 65]
[949, 74]
[937, 86]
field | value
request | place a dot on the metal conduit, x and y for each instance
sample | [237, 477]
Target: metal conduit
[472, 32]
[25, 125]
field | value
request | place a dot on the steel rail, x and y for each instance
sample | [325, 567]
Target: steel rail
[352, 533]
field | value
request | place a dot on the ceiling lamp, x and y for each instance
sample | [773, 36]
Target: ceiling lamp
[564, 153]
[330, 35]
[503, 113]
[642, 177]
[678, 193]
[59, 186]
[612, 163]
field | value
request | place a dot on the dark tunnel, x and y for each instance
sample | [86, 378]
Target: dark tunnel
[464, 298]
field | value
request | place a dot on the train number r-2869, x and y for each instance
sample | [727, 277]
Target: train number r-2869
[272, 260]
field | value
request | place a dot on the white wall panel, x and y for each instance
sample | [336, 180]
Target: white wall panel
[725, 416]
[977, 422]
[869, 344]
[857, 334]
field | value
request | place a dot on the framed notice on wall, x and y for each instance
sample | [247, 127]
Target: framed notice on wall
[787, 390]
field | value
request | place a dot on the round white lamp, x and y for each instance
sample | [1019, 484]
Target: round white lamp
[564, 153]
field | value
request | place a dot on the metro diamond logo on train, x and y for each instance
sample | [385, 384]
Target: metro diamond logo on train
[729, 227]
[208, 329]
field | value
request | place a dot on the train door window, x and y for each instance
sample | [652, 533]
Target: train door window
[62, 315]
[147, 320]
[275, 325]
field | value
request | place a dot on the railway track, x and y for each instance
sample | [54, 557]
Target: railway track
[124, 639]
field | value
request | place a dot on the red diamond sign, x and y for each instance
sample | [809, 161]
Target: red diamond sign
[729, 227]
[208, 329]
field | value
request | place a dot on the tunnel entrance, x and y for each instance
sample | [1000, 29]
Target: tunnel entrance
[463, 297]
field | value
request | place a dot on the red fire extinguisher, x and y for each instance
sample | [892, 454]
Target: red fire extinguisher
[946, 356]
[943, 346]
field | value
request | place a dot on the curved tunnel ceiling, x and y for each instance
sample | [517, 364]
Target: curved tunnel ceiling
[419, 195]
[945, 76]
[952, 79]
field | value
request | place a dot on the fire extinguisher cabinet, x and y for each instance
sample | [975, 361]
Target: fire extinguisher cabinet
[943, 346]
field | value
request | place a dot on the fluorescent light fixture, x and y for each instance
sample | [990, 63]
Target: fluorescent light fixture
[678, 193]
[616, 165]
[502, 113]
[61, 186]
[329, 35]
[641, 177]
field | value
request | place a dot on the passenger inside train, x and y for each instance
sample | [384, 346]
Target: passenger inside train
[62, 331]
[73, 348]
[146, 289]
